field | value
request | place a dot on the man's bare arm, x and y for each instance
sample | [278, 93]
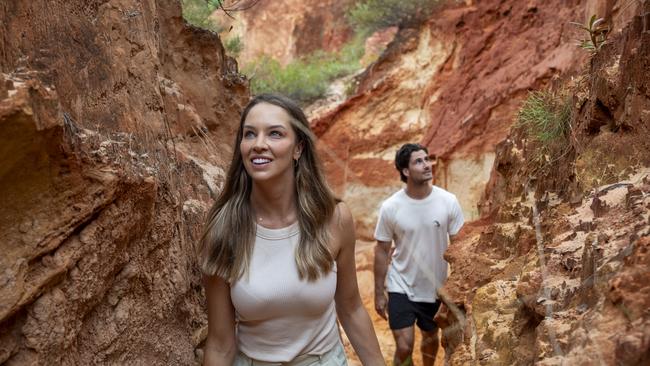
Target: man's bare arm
[382, 256]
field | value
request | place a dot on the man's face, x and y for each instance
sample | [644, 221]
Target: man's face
[419, 170]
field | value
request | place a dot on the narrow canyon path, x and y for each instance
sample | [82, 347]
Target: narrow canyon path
[365, 255]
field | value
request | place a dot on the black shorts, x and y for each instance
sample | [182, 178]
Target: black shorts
[403, 313]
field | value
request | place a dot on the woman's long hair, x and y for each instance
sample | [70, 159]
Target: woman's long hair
[229, 233]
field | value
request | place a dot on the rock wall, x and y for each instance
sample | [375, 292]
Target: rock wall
[115, 118]
[454, 84]
[558, 273]
[107, 60]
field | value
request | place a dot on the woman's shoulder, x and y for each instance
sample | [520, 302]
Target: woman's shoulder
[342, 214]
[342, 220]
[341, 227]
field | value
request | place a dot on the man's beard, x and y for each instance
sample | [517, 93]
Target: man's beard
[423, 181]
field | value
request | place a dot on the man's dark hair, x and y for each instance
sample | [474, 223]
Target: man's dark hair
[403, 156]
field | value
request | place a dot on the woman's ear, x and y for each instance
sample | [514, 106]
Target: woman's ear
[297, 151]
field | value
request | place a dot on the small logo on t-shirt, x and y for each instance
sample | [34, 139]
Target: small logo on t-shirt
[436, 223]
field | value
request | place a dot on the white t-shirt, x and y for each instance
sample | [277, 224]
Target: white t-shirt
[420, 230]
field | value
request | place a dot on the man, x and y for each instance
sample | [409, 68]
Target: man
[418, 219]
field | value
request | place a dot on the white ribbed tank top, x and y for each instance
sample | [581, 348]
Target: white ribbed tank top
[278, 315]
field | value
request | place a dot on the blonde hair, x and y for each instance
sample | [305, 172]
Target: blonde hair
[229, 233]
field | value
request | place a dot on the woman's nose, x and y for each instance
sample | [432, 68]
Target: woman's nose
[259, 143]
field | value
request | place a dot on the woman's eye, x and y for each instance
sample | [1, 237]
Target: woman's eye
[248, 134]
[276, 134]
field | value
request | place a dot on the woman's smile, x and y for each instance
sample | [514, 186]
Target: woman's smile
[259, 162]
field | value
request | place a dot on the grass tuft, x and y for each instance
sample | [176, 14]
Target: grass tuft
[545, 122]
[546, 117]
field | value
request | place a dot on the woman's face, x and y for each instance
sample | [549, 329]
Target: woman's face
[268, 146]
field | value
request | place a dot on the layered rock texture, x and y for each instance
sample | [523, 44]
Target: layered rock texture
[558, 272]
[453, 84]
[114, 123]
[456, 85]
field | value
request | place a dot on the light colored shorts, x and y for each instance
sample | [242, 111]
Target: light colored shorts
[333, 357]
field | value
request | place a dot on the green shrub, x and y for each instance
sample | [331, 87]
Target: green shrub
[198, 12]
[545, 119]
[367, 16]
[305, 79]
[352, 52]
[234, 46]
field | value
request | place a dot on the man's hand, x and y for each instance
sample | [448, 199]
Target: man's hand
[380, 305]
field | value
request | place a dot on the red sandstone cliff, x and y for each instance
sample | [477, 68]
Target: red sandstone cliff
[562, 274]
[115, 121]
[456, 84]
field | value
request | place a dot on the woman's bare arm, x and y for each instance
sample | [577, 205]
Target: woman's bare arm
[349, 307]
[220, 346]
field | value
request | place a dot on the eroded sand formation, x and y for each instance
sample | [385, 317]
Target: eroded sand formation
[115, 120]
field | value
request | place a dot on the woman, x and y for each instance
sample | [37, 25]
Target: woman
[278, 252]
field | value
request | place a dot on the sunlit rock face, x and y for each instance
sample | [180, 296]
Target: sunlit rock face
[573, 291]
[286, 29]
[558, 271]
[454, 84]
[114, 124]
